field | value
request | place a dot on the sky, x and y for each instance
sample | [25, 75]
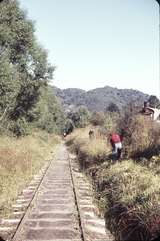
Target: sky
[94, 43]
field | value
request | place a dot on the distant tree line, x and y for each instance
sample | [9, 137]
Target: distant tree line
[77, 118]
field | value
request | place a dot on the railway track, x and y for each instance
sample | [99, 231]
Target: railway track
[57, 206]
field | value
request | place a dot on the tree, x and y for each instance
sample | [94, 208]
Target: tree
[153, 101]
[84, 116]
[48, 113]
[112, 107]
[24, 69]
[9, 84]
[79, 117]
[74, 116]
[97, 118]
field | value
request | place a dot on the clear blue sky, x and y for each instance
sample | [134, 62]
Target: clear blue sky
[95, 43]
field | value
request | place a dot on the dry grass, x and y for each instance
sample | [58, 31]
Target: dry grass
[129, 197]
[96, 148]
[141, 136]
[89, 150]
[132, 184]
[127, 192]
[19, 161]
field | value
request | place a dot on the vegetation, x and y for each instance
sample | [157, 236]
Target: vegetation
[20, 159]
[89, 151]
[77, 118]
[153, 101]
[27, 104]
[24, 74]
[100, 99]
[127, 192]
[48, 113]
[112, 108]
[97, 118]
[141, 136]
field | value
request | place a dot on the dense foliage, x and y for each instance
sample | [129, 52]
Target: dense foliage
[24, 72]
[97, 118]
[79, 117]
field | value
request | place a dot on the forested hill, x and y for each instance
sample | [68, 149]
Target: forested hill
[99, 99]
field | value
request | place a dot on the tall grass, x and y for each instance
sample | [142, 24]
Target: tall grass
[132, 201]
[128, 193]
[141, 136]
[20, 159]
[89, 151]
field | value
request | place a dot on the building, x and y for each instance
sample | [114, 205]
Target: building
[153, 113]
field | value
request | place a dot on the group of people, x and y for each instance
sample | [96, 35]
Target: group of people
[115, 141]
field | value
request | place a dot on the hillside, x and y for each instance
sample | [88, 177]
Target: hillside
[98, 99]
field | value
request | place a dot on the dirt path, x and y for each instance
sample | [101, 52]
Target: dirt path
[62, 208]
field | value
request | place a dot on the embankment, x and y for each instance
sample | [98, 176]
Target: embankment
[126, 192]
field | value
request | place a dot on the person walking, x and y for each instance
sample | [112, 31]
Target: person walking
[64, 135]
[91, 134]
[116, 143]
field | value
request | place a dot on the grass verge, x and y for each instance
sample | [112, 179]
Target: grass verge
[127, 193]
[89, 151]
[20, 159]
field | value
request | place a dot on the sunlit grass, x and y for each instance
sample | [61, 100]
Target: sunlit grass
[20, 159]
[95, 149]
[126, 187]
[132, 185]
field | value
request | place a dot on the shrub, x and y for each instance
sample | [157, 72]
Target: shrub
[110, 124]
[79, 117]
[97, 118]
[141, 136]
[19, 127]
[112, 107]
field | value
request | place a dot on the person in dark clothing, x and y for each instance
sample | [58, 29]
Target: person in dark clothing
[91, 134]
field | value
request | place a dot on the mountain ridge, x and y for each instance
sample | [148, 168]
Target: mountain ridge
[99, 99]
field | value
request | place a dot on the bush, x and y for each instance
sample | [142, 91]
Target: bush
[112, 107]
[19, 127]
[97, 118]
[110, 124]
[141, 136]
[79, 117]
